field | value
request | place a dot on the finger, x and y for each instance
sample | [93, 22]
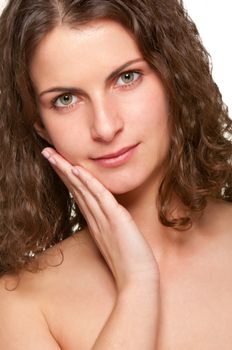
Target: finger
[104, 197]
[89, 183]
[49, 154]
[57, 161]
[86, 202]
[86, 212]
[88, 205]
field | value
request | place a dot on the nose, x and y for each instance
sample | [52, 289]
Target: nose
[106, 122]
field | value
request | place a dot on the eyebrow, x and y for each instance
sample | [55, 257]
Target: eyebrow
[110, 77]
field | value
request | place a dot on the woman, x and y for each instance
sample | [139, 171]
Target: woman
[122, 239]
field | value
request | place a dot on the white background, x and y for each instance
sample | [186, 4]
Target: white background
[213, 19]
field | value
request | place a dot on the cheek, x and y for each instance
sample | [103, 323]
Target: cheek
[69, 140]
[147, 106]
[149, 112]
[154, 125]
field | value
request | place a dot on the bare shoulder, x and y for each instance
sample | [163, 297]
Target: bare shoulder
[224, 211]
[22, 323]
[217, 230]
[69, 263]
[218, 216]
[67, 260]
[30, 303]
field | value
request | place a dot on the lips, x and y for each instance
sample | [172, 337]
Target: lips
[116, 154]
[116, 159]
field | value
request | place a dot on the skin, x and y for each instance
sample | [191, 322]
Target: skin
[102, 118]
[89, 130]
[92, 299]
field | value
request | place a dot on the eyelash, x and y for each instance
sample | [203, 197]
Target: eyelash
[133, 82]
[126, 86]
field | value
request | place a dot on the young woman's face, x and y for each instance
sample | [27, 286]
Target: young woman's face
[101, 105]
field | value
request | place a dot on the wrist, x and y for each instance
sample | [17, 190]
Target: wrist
[139, 288]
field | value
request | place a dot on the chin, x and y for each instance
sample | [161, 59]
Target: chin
[121, 185]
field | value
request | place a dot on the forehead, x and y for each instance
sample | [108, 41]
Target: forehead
[65, 52]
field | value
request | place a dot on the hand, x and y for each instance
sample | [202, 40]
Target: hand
[123, 246]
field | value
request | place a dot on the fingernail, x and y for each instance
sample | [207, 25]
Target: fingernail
[75, 171]
[48, 156]
[51, 160]
[45, 154]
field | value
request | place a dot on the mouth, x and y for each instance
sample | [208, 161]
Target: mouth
[117, 158]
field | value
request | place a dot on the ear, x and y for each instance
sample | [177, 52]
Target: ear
[41, 131]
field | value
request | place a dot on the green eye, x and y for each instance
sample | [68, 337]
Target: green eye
[65, 100]
[128, 78]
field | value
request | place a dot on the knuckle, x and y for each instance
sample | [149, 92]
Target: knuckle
[87, 182]
[124, 212]
[66, 172]
[83, 192]
[101, 192]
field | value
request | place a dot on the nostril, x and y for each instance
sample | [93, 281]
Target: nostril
[106, 130]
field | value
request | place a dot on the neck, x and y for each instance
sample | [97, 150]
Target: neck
[141, 204]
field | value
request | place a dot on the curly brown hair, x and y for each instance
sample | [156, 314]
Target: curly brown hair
[36, 208]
